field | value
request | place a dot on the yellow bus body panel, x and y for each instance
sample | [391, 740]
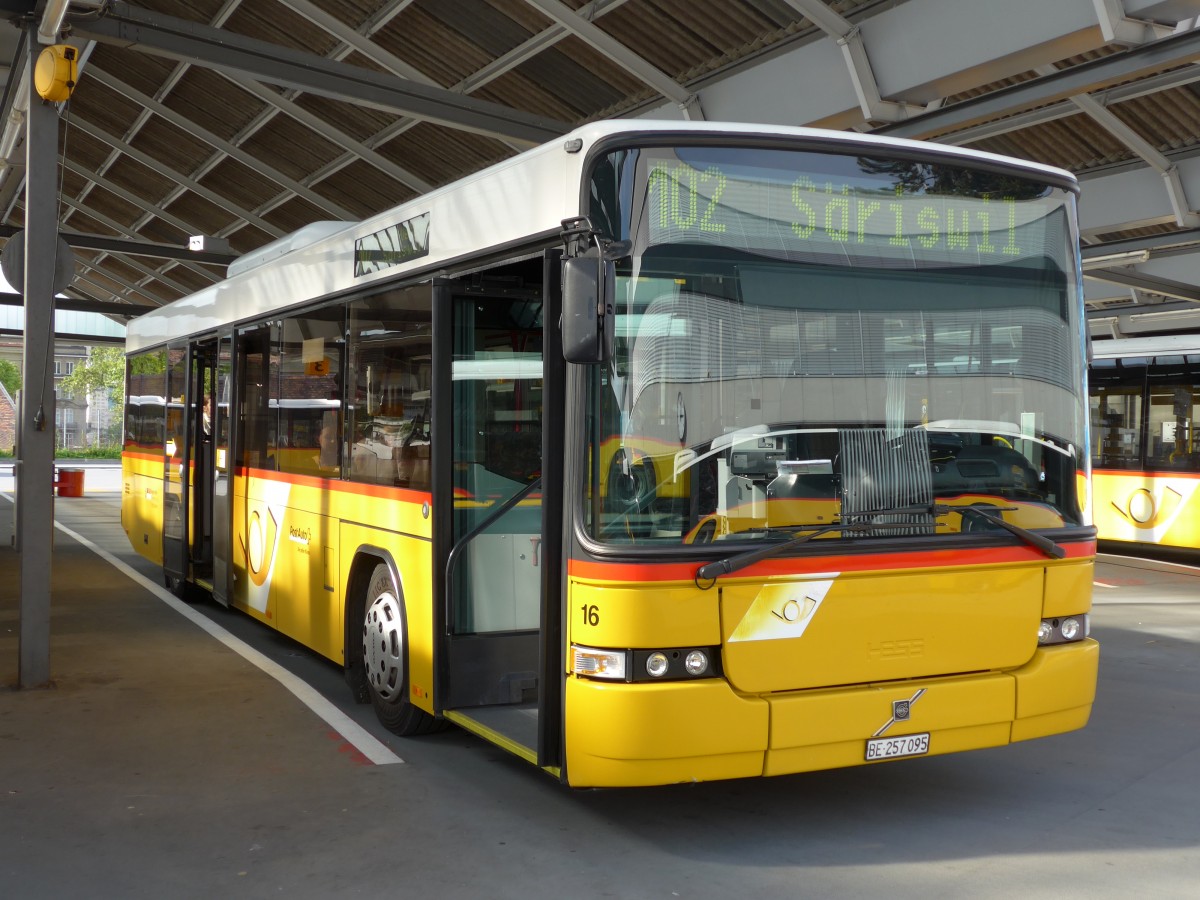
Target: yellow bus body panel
[629, 615]
[142, 503]
[1068, 588]
[1056, 691]
[641, 734]
[806, 686]
[638, 734]
[295, 545]
[851, 628]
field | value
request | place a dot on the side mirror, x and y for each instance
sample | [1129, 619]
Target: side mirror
[588, 308]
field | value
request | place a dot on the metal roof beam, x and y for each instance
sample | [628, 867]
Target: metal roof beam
[330, 132]
[1159, 244]
[1065, 108]
[230, 148]
[218, 143]
[127, 26]
[1118, 28]
[1139, 62]
[358, 41]
[128, 197]
[524, 52]
[850, 40]
[493, 70]
[67, 304]
[631, 62]
[133, 247]
[1133, 197]
[1105, 118]
[143, 116]
[133, 263]
[89, 274]
[183, 182]
[1149, 283]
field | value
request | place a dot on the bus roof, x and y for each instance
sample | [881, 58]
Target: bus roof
[520, 200]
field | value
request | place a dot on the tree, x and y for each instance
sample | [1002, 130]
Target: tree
[103, 370]
[10, 377]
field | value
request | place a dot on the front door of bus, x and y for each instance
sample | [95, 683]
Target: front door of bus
[494, 570]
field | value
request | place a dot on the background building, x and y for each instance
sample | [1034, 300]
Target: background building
[80, 421]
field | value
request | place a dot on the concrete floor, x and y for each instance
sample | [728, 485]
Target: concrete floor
[166, 763]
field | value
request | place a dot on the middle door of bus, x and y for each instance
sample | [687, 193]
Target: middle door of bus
[497, 556]
[188, 467]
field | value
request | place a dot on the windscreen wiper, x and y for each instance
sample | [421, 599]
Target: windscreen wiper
[708, 573]
[1041, 542]
[864, 521]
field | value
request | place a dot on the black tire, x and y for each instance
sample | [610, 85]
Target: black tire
[382, 657]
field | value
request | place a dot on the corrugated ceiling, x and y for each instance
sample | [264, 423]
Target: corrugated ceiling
[156, 150]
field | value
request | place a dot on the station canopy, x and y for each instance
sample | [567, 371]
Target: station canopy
[241, 121]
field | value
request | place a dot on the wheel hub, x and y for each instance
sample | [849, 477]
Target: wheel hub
[383, 646]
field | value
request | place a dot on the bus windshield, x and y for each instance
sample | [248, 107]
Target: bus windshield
[805, 338]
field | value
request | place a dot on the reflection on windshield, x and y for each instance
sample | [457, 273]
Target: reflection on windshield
[772, 479]
[805, 338]
[723, 418]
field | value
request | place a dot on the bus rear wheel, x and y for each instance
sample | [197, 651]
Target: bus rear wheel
[384, 650]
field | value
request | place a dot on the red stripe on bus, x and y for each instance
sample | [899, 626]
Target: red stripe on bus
[142, 455]
[335, 484]
[926, 559]
[1153, 473]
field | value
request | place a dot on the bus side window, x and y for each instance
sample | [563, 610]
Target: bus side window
[308, 393]
[387, 420]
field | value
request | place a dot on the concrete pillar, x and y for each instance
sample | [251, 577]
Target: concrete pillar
[35, 482]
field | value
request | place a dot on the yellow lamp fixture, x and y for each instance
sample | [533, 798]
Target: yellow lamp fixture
[55, 73]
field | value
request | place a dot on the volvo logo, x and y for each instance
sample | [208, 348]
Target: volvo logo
[901, 711]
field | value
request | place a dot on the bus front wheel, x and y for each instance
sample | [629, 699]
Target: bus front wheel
[384, 657]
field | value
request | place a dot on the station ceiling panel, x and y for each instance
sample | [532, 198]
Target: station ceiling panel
[245, 120]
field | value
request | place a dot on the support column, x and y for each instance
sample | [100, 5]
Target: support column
[35, 481]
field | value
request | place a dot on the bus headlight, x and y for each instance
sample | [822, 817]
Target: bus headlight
[1065, 629]
[668, 664]
[593, 662]
[676, 664]
[657, 664]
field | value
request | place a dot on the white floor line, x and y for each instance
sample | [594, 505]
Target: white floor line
[357, 736]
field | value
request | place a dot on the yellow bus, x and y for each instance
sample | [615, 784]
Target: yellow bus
[1146, 462]
[663, 452]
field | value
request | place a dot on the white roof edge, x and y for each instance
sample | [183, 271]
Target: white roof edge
[298, 239]
[607, 127]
